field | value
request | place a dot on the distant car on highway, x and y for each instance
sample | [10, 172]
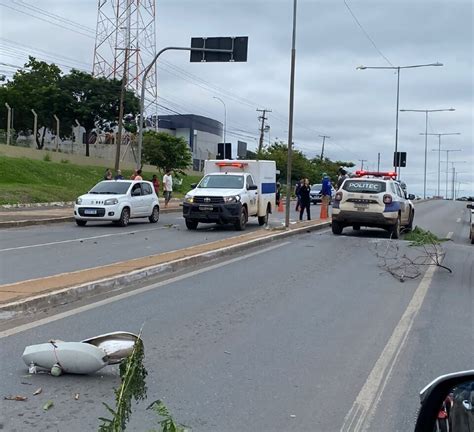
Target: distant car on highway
[471, 222]
[315, 193]
[373, 199]
[118, 201]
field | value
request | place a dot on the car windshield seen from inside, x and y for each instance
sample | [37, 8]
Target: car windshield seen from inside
[223, 181]
[110, 188]
[364, 186]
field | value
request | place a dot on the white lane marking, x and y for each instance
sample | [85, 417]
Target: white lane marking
[450, 235]
[359, 417]
[59, 316]
[81, 239]
[458, 220]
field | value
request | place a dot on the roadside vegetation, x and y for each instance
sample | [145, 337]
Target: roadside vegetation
[25, 180]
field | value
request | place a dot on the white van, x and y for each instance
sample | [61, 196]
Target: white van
[231, 191]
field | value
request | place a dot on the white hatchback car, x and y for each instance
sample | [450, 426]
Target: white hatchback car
[471, 222]
[118, 201]
[372, 199]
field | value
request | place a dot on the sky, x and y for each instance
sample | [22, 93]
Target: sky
[356, 108]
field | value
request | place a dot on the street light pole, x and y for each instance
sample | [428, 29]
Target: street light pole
[290, 118]
[426, 111]
[225, 114]
[439, 135]
[398, 68]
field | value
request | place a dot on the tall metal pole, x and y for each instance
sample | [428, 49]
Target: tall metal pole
[378, 162]
[396, 123]
[447, 168]
[290, 118]
[225, 115]
[142, 96]
[57, 131]
[322, 148]
[123, 90]
[426, 154]
[439, 163]
[35, 124]
[454, 177]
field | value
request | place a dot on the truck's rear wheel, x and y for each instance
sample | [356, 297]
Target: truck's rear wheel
[263, 220]
[337, 227]
[242, 222]
[191, 224]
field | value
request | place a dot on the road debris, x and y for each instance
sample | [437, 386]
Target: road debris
[48, 405]
[37, 391]
[76, 396]
[85, 357]
[16, 398]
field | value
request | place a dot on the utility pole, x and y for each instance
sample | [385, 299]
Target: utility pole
[324, 140]
[262, 127]
[378, 162]
[362, 163]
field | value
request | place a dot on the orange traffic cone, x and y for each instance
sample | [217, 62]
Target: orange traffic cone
[280, 206]
[324, 211]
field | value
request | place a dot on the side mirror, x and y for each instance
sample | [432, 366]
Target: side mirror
[470, 206]
[252, 187]
[411, 197]
[193, 185]
[450, 395]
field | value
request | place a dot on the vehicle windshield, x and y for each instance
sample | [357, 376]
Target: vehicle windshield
[364, 186]
[223, 181]
[110, 188]
[316, 187]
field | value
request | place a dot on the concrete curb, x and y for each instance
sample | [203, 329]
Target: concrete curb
[114, 283]
[52, 220]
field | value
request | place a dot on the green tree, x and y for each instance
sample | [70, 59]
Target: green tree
[34, 87]
[166, 151]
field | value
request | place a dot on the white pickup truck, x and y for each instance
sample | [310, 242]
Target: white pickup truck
[231, 191]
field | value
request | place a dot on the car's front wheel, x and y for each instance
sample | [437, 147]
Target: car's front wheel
[81, 223]
[242, 222]
[124, 217]
[191, 224]
[155, 215]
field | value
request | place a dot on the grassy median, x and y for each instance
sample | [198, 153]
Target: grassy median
[25, 180]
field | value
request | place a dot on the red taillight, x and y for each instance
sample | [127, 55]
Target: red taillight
[387, 199]
[338, 196]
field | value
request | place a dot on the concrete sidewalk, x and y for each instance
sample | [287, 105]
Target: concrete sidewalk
[48, 291]
[26, 216]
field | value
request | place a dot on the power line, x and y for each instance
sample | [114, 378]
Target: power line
[367, 34]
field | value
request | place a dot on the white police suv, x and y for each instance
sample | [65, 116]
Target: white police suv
[118, 201]
[373, 199]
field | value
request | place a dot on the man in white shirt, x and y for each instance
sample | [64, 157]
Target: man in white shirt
[167, 186]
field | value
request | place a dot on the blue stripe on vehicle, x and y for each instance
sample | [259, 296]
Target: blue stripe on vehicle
[392, 207]
[268, 188]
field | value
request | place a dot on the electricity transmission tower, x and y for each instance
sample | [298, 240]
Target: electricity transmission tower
[125, 43]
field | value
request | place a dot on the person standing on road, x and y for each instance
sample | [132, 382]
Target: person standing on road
[305, 200]
[119, 175]
[108, 174]
[326, 190]
[167, 186]
[156, 184]
[342, 176]
[297, 194]
[139, 175]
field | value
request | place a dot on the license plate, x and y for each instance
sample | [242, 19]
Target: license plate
[361, 207]
[206, 208]
[90, 212]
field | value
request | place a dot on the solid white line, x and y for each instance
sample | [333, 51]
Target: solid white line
[81, 239]
[59, 316]
[364, 406]
[450, 235]
[458, 220]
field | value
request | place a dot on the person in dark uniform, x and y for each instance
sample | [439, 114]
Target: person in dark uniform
[305, 199]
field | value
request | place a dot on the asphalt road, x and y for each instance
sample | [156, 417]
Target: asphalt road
[276, 339]
[39, 251]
